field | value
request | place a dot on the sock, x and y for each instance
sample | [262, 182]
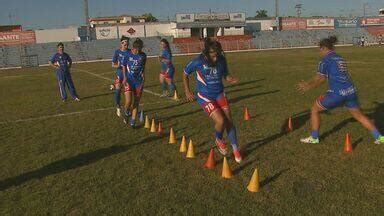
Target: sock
[164, 86]
[116, 96]
[219, 135]
[232, 137]
[133, 121]
[315, 134]
[375, 133]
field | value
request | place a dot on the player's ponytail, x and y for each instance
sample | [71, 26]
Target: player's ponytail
[329, 42]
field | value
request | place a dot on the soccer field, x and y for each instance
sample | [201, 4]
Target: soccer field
[79, 158]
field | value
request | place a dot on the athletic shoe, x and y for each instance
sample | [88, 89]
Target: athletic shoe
[112, 87]
[237, 155]
[63, 100]
[127, 113]
[132, 123]
[77, 99]
[118, 111]
[310, 140]
[221, 146]
[379, 140]
[165, 94]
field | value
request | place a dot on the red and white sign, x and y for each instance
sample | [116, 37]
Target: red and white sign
[328, 23]
[293, 23]
[372, 21]
[131, 31]
[17, 38]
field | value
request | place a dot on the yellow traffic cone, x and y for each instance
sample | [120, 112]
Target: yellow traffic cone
[147, 125]
[183, 145]
[172, 139]
[253, 185]
[153, 126]
[190, 152]
[175, 96]
[226, 173]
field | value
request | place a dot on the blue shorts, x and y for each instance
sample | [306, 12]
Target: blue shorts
[331, 100]
[212, 102]
[134, 85]
[119, 76]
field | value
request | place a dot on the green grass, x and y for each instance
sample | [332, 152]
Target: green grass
[90, 163]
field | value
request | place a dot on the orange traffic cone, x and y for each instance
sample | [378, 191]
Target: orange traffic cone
[153, 126]
[226, 173]
[348, 146]
[247, 117]
[190, 151]
[254, 185]
[147, 125]
[160, 129]
[210, 163]
[172, 139]
[290, 125]
[175, 96]
[183, 145]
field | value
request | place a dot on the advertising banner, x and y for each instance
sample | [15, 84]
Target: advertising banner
[369, 21]
[328, 23]
[293, 24]
[17, 38]
[347, 23]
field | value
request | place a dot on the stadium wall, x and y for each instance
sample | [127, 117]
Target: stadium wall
[57, 35]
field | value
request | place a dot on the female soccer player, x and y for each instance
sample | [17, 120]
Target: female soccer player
[211, 68]
[62, 62]
[341, 91]
[117, 62]
[134, 76]
[167, 69]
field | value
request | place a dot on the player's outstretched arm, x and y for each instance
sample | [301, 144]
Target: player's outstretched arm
[187, 89]
[315, 81]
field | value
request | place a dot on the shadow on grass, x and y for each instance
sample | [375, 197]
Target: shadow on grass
[74, 162]
[242, 89]
[181, 115]
[166, 107]
[98, 95]
[237, 99]
[272, 178]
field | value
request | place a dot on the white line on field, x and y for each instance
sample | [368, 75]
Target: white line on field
[70, 114]
[111, 80]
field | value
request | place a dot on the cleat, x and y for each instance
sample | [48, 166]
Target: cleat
[63, 100]
[118, 111]
[127, 113]
[380, 140]
[237, 155]
[221, 146]
[112, 87]
[310, 140]
[77, 99]
[132, 123]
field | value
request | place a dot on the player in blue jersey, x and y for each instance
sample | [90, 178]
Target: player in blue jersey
[62, 62]
[341, 91]
[211, 68]
[117, 62]
[134, 77]
[167, 69]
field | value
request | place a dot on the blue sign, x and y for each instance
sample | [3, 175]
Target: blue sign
[347, 23]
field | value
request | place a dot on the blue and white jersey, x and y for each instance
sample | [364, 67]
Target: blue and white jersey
[335, 69]
[135, 64]
[62, 59]
[209, 79]
[119, 56]
[166, 60]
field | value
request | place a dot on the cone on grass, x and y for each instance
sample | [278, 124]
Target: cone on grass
[141, 116]
[183, 145]
[147, 125]
[347, 145]
[210, 163]
[190, 151]
[160, 129]
[153, 126]
[175, 96]
[172, 139]
[247, 117]
[290, 125]
[226, 172]
[254, 185]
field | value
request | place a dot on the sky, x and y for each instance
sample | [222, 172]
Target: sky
[36, 14]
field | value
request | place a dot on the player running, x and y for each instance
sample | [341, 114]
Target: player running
[341, 91]
[62, 62]
[117, 62]
[211, 68]
[134, 77]
[167, 69]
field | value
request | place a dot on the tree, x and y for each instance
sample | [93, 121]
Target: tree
[149, 17]
[261, 14]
